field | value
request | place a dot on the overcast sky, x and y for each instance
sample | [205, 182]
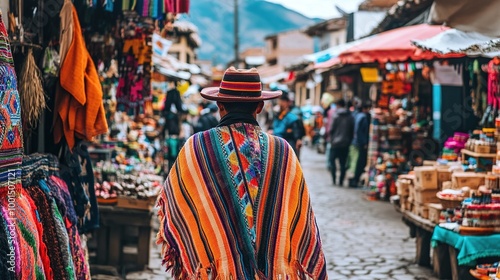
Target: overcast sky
[324, 9]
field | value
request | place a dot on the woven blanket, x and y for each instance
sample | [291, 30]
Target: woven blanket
[21, 247]
[11, 138]
[235, 206]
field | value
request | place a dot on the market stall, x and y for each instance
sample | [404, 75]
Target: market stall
[453, 208]
[93, 152]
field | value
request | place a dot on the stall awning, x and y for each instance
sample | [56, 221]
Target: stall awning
[330, 53]
[468, 15]
[170, 66]
[457, 41]
[394, 46]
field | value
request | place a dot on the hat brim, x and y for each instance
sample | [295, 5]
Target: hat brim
[212, 93]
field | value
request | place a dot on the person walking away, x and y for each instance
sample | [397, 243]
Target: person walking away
[329, 113]
[236, 205]
[353, 150]
[341, 135]
[288, 125]
[360, 141]
[207, 119]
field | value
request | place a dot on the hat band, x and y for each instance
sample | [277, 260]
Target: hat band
[240, 92]
[244, 86]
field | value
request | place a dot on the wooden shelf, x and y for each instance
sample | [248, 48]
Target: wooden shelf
[418, 221]
[478, 155]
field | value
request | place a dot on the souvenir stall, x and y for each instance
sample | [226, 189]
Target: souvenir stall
[81, 83]
[41, 236]
[394, 76]
[453, 205]
[400, 124]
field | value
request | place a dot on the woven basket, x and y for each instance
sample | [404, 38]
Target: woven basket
[450, 203]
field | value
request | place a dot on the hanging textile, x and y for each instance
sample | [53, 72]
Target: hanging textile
[79, 110]
[20, 245]
[177, 6]
[11, 140]
[57, 216]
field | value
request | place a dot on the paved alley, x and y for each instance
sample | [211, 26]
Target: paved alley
[362, 239]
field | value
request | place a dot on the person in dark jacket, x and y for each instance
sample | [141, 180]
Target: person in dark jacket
[207, 119]
[341, 135]
[288, 125]
[360, 142]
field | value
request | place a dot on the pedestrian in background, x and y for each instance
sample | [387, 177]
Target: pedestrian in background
[207, 119]
[341, 135]
[288, 125]
[236, 205]
[360, 141]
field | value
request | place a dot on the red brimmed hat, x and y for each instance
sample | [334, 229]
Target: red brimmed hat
[239, 85]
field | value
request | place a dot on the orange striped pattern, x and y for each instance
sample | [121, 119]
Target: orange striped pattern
[204, 229]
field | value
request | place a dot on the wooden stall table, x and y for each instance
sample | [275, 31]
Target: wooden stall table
[457, 254]
[116, 224]
[422, 230]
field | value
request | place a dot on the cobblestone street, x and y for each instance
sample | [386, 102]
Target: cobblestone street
[362, 239]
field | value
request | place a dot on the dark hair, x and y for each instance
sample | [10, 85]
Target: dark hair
[285, 95]
[242, 107]
[340, 103]
[366, 104]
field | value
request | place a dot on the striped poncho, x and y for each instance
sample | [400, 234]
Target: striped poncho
[235, 206]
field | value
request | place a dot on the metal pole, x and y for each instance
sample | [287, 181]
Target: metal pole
[236, 35]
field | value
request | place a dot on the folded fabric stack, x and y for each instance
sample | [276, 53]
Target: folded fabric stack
[38, 226]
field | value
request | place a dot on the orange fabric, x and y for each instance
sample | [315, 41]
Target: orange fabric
[79, 106]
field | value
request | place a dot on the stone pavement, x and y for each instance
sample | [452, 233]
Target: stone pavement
[361, 239]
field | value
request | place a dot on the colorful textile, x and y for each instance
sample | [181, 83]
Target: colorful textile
[11, 138]
[25, 251]
[470, 248]
[177, 6]
[60, 190]
[50, 229]
[79, 110]
[5, 53]
[236, 206]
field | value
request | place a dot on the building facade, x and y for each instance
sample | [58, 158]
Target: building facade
[286, 47]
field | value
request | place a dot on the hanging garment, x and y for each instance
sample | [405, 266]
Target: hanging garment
[494, 82]
[11, 138]
[60, 190]
[177, 6]
[26, 251]
[53, 237]
[79, 110]
[67, 29]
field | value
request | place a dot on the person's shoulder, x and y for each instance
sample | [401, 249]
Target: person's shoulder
[275, 139]
[278, 141]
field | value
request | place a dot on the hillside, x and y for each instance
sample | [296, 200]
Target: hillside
[258, 19]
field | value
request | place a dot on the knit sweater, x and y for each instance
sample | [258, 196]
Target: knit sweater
[236, 206]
